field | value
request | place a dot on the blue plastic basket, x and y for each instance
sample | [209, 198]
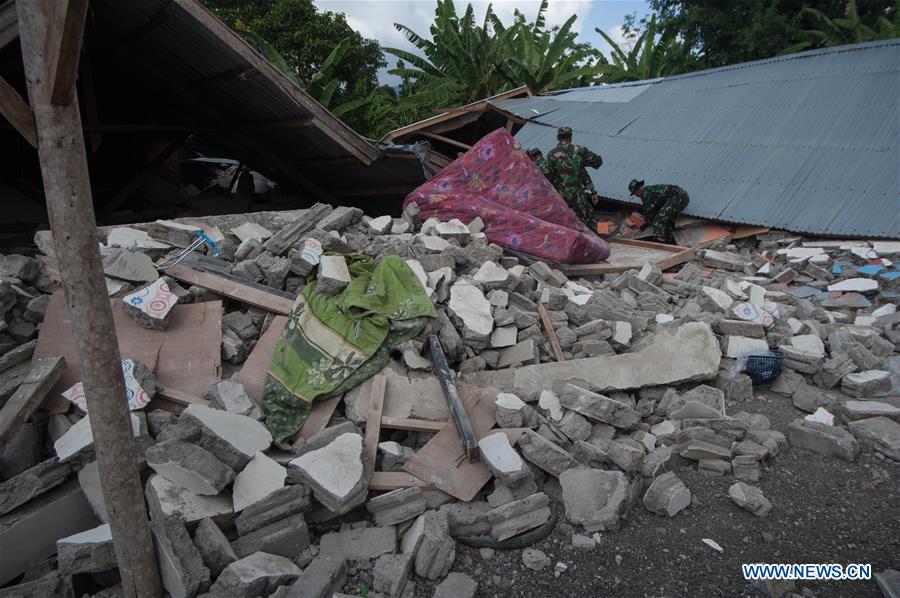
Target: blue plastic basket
[764, 367]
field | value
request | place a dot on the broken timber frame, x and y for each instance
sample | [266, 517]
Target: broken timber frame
[46, 28]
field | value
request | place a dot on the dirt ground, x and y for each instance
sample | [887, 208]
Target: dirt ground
[824, 511]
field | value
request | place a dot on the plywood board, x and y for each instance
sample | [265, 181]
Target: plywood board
[442, 461]
[186, 356]
[253, 373]
[631, 254]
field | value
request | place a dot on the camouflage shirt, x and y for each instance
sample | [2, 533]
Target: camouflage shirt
[656, 196]
[567, 170]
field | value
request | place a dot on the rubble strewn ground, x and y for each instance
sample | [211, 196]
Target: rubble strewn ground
[649, 438]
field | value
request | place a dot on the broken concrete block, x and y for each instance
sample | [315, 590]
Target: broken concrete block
[492, 276]
[735, 346]
[456, 585]
[827, 440]
[181, 567]
[509, 410]
[276, 506]
[360, 543]
[337, 472]
[79, 438]
[128, 265]
[866, 384]
[880, 434]
[90, 551]
[151, 306]
[397, 506]
[550, 403]
[501, 458]
[167, 498]
[259, 574]
[593, 498]
[31, 483]
[231, 396]
[625, 455]
[698, 449]
[469, 305]
[725, 260]
[535, 559]
[434, 550]
[519, 516]
[261, 477]
[214, 547]
[286, 537]
[333, 276]
[808, 398]
[453, 230]
[667, 495]
[189, 466]
[598, 407]
[522, 352]
[391, 574]
[545, 454]
[322, 578]
[688, 353]
[854, 410]
[746, 468]
[394, 455]
[504, 336]
[89, 480]
[750, 498]
[140, 387]
[232, 438]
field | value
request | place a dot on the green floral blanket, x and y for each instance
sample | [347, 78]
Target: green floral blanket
[331, 344]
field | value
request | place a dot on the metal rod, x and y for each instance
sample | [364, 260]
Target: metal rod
[457, 412]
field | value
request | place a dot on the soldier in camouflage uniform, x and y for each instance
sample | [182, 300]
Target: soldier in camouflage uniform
[662, 205]
[537, 156]
[566, 169]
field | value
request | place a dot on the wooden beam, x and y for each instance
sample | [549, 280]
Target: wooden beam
[28, 397]
[551, 333]
[437, 137]
[253, 295]
[69, 52]
[17, 112]
[9, 24]
[178, 397]
[375, 388]
[89, 98]
[318, 418]
[70, 208]
[239, 73]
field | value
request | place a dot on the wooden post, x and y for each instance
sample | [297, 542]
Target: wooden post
[70, 208]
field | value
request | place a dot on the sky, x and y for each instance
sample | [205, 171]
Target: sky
[375, 18]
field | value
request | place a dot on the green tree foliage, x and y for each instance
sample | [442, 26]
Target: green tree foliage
[850, 29]
[305, 39]
[648, 58]
[721, 33]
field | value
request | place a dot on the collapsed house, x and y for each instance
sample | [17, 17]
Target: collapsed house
[163, 83]
[513, 398]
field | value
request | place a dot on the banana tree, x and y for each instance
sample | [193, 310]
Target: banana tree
[649, 58]
[828, 32]
[545, 59]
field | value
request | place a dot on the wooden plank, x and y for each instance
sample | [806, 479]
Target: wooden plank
[395, 480]
[186, 356]
[437, 137]
[69, 52]
[443, 462]
[253, 373]
[251, 295]
[413, 425]
[742, 232]
[664, 256]
[17, 112]
[29, 395]
[318, 418]
[551, 333]
[375, 387]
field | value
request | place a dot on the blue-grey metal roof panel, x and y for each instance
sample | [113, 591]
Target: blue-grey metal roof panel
[808, 142]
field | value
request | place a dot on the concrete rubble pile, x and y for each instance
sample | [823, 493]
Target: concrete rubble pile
[652, 384]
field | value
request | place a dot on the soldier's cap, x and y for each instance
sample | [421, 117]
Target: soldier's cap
[534, 152]
[564, 132]
[634, 184]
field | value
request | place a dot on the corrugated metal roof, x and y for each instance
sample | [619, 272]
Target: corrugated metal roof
[806, 142]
